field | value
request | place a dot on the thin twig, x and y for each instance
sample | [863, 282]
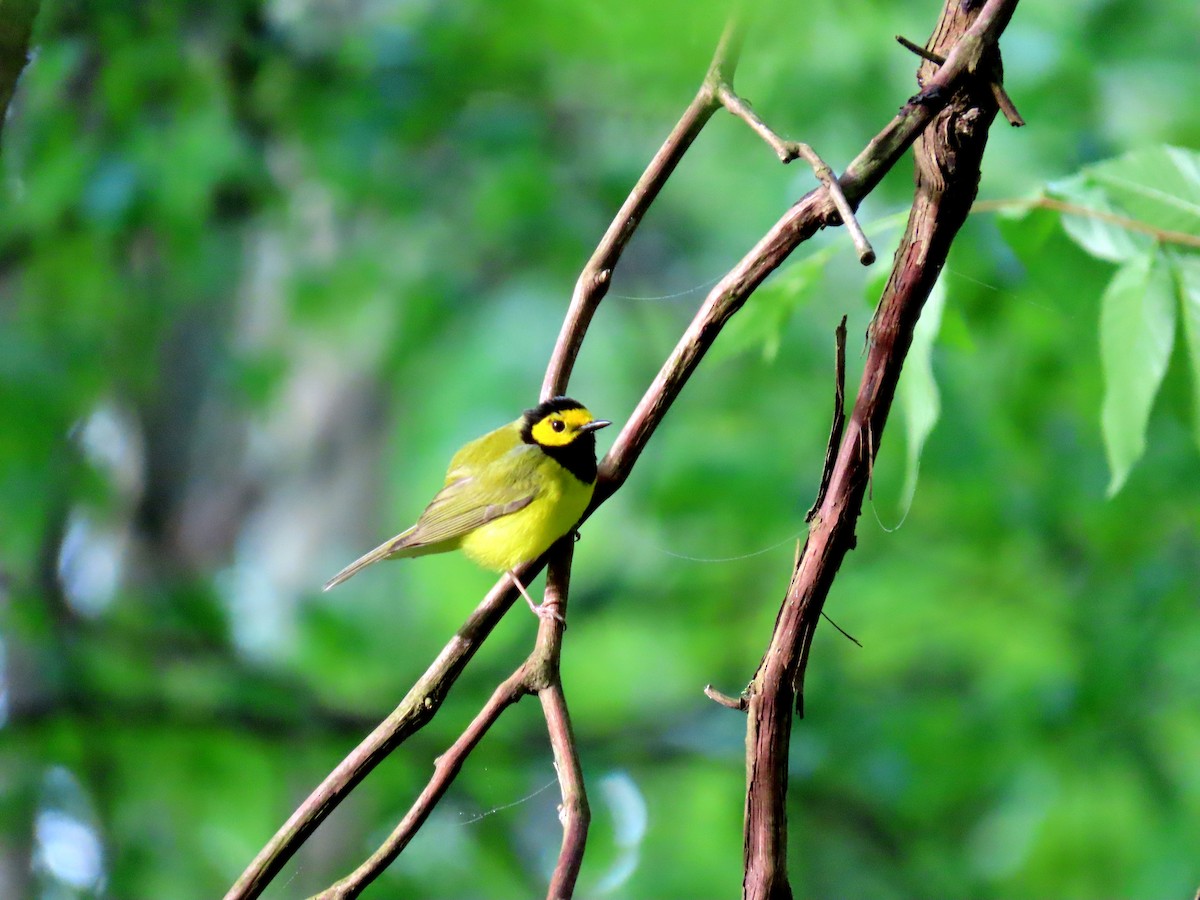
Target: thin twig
[1162, 235]
[919, 50]
[1007, 107]
[729, 46]
[866, 253]
[839, 418]
[724, 699]
[740, 107]
[446, 768]
[594, 280]
[842, 631]
[789, 150]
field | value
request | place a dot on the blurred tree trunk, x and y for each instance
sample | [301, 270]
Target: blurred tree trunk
[16, 24]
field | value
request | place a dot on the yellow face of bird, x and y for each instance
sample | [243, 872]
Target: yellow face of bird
[560, 427]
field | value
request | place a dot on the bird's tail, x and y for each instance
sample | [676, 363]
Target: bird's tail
[383, 551]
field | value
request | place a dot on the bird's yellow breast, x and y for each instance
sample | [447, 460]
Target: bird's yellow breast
[511, 540]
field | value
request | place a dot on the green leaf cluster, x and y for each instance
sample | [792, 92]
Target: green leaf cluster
[1141, 211]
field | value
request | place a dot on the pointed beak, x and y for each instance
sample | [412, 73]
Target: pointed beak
[594, 425]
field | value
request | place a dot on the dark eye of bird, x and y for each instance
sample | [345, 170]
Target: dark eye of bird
[557, 424]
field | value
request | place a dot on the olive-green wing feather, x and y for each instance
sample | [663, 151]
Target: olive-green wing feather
[473, 496]
[460, 508]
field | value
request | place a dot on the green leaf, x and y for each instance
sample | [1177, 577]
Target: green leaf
[1027, 229]
[918, 392]
[955, 333]
[1186, 267]
[1158, 187]
[1137, 329]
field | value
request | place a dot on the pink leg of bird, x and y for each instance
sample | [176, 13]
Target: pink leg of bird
[541, 610]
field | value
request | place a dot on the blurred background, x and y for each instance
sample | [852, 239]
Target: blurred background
[264, 266]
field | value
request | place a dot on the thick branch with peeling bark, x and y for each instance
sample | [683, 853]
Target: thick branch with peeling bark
[948, 157]
[816, 210]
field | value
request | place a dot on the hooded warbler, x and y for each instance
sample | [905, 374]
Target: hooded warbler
[508, 495]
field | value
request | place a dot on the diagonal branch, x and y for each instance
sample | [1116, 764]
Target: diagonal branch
[594, 280]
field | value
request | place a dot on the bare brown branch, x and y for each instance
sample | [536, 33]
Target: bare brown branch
[593, 281]
[948, 157]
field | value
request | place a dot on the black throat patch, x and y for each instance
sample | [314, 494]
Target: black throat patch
[577, 457]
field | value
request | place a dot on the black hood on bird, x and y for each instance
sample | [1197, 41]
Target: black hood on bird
[532, 416]
[577, 457]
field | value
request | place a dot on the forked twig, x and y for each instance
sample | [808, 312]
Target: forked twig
[537, 675]
[789, 150]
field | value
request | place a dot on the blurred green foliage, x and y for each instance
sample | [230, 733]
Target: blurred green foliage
[264, 266]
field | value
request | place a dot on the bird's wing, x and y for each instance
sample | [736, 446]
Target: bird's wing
[470, 502]
[473, 496]
[476, 455]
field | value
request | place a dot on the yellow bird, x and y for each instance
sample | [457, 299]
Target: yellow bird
[508, 495]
